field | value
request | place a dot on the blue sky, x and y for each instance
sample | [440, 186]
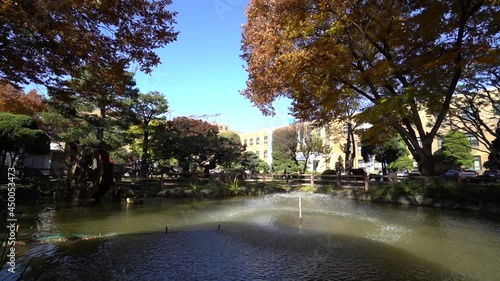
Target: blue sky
[202, 73]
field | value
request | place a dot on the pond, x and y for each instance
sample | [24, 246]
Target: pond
[257, 238]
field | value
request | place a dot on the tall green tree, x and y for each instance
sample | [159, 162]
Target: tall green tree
[386, 153]
[190, 141]
[284, 149]
[457, 150]
[230, 150]
[90, 92]
[395, 57]
[146, 108]
[45, 41]
[309, 143]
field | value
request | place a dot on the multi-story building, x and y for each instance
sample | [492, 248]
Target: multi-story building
[259, 142]
[335, 139]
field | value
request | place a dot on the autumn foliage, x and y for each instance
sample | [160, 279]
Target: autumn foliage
[16, 101]
[43, 41]
[394, 57]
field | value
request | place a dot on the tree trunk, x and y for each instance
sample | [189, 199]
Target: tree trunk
[348, 160]
[305, 166]
[2, 163]
[145, 155]
[425, 159]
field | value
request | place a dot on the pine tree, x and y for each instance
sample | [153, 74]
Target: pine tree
[457, 149]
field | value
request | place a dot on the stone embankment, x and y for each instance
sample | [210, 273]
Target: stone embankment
[418, 200]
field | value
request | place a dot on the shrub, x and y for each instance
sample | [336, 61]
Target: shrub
[329, 175]
[308, 189]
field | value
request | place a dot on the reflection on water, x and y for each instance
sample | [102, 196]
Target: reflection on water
[262, 238]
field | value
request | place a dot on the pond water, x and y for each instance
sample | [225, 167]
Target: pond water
[260, 238]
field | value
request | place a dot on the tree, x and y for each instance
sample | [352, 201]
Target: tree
[99, 101]
[252, 163]
[385, 153]
[230, 150]
[16, 101]
[493, 162]
[476, 108]
[395, 57]
[45, 41]
[309, 143]
[284, 149]
[19, 134]
[147, 107]
[457, 150]
[401, 164]
[189, 141]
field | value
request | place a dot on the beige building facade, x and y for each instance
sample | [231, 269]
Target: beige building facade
[259, 142]
[335, 138]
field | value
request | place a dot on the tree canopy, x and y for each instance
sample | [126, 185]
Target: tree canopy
[44, 41]
[16, 101]
[309, 143]
[395, 57]
[457, 150]
[386, 153]
[193, 141]
[284, 149]
[146, 108]
[20, 134]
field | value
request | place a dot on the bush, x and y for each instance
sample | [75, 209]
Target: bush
[308, 189]
[329, 175]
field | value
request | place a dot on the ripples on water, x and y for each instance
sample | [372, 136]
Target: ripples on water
[263, 239]
[235, 253]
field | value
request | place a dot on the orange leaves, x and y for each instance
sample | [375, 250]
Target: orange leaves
[16, 101]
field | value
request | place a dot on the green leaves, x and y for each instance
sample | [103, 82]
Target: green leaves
[457, 150]
[20, 132]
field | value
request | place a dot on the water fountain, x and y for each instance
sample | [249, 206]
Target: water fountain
[261, 237]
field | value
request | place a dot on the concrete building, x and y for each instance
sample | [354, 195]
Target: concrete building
[259, 142]
[334, 137]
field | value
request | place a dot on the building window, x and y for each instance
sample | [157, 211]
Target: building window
[361, 164]
[257, 140]
[359, 147]
[440, 142]
[468, 114]
[257, 153]
[265, 154]
[473, 140]
[496, 108]
[477, 163]
[245, 141]
[265, 139]
[251, 141]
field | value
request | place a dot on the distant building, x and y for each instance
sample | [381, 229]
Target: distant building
[259, 142]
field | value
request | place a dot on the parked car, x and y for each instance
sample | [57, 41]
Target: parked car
[492, 173]
[468, 173]
[460, 173]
